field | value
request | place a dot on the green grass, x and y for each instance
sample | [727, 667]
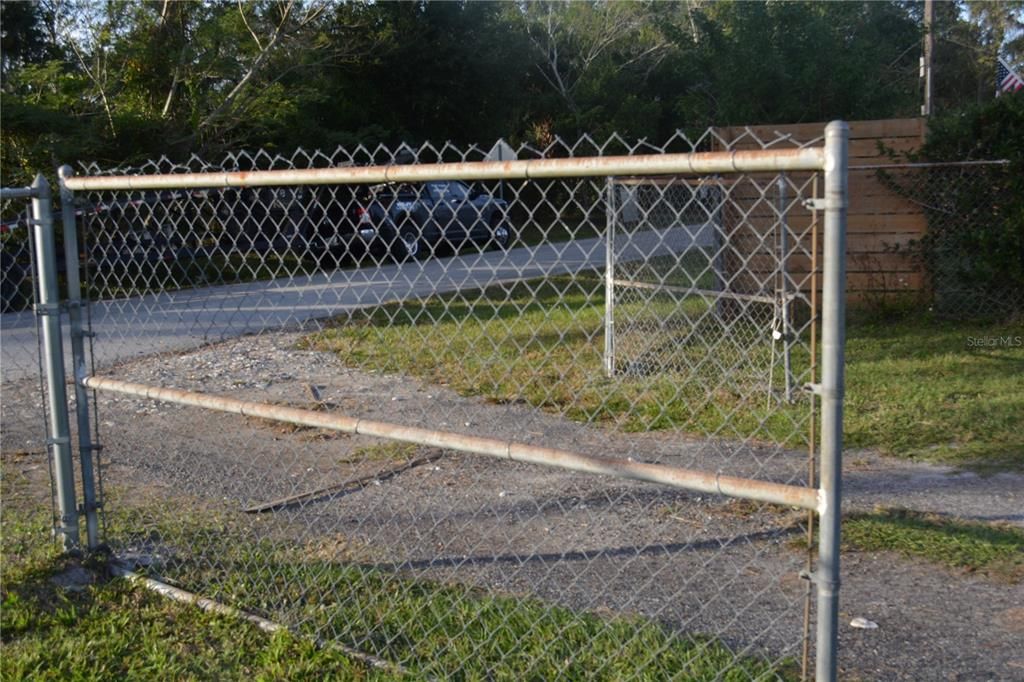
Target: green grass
[111, 631]
[325, 590]
[997, 550]
[542, 343]
[915, 388]
[329, 588]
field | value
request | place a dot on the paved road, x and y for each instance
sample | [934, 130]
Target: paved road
[178, 320]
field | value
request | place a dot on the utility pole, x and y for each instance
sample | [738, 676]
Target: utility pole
[926, 58]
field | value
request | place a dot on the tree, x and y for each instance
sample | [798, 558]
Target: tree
[799, 61]
[23, 39]
[584, 46]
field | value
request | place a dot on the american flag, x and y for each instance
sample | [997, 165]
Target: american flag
[1006, 79]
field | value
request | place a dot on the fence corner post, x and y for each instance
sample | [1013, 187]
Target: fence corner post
[833, 338]
[91, 503]
[48, 308]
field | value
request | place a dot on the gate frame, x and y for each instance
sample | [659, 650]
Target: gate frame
[832, 159]
[48, 307]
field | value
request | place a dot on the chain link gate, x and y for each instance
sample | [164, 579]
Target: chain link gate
[33, 349]
[308, 370]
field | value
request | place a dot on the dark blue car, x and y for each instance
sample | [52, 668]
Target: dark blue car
[416, 220]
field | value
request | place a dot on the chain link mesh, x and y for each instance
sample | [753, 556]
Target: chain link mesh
[477, 309]
[701, 280]
[16, 280]
[964, 240]
[23, 396]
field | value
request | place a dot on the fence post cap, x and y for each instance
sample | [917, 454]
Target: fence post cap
[41, 186]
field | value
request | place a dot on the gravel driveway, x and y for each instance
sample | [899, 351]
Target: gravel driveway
[693, 562]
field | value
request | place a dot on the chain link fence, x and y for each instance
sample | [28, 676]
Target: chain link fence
[463, 422]
[34, 412]
[17, 288]
[694, 265]
[22, 424]
[15, 260]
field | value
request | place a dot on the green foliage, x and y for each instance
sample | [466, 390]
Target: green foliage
[798, 61]
[975, 239]
[120, 81]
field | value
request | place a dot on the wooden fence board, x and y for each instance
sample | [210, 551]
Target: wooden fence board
[880, 219]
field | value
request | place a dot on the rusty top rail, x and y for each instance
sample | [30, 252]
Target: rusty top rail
[743, 161]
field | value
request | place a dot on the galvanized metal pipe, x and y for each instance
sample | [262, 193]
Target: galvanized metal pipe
[711, 293]
[75, 306]
[774, 493]
[48, 307]
[783, 288]
[752, 161]
[609, 281]
[833, 335]
[718, 222]
[9, 193]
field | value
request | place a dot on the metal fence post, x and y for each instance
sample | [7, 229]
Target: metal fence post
[75, 304]
[719, 264]
[783, 292]
[48, 307]
[609, 281]
[833, 337]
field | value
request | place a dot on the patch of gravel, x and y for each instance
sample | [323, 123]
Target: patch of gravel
[694, 562]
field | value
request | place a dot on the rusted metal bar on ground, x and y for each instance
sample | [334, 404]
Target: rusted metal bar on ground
[177, 594]
[746, 161]
[335, 487]
[686, 479]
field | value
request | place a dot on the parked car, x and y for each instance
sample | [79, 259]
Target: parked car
[137, 249]
[146, 228]
[323, 223]
[416, 220]
[264, 219]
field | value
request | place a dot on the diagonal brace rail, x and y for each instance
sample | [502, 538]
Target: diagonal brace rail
[686, 479]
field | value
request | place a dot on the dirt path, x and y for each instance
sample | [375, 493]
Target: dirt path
[693, 562]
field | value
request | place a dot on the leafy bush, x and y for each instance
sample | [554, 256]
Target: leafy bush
[974, 248]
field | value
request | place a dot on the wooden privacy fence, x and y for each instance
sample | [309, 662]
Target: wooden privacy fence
[881, 224]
